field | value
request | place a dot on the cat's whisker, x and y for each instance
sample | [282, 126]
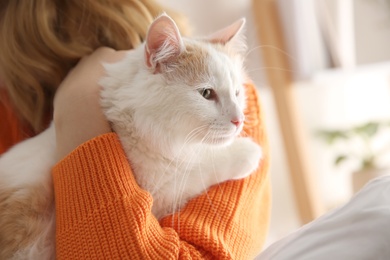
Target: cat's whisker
[194, 132]
[214, 171]
[244, 133]
[186, 173]
[251, 50]
[270, 68]
[270, 47]
[192, 135]
[183, 182]
[208, 139]
[250, 120]
[179, 189]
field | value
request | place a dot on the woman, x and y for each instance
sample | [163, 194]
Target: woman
[101, 211]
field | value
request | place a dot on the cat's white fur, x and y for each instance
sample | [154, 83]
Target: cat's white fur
[178, 142]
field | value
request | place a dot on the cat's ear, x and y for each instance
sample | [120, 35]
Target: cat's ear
[163, 41]
[232, 35]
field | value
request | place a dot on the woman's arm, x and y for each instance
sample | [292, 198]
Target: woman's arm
[77, 113]
[103, 213]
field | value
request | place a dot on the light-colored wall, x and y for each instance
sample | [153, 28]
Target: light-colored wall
[372, 30]
[304, 41]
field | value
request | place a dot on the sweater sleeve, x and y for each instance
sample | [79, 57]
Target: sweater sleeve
[102, 213]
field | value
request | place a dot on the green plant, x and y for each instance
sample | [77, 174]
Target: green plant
[361, 135]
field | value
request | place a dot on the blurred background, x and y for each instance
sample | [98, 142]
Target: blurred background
[322, 68]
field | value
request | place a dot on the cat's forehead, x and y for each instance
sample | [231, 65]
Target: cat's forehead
[203, 62]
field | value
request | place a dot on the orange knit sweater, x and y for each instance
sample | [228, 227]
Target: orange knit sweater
[103, 214]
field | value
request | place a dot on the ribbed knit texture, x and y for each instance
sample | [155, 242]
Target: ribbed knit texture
[103, 214]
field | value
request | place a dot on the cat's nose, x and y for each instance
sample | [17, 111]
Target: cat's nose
[237, 122]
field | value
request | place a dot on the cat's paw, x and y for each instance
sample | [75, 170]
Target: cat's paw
[247, 156]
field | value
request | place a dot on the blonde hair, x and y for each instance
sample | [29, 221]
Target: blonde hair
[41, 40]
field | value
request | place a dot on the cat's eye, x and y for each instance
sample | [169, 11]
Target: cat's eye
[207, 93]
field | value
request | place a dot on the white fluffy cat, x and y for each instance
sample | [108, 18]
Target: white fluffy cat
[176, 104]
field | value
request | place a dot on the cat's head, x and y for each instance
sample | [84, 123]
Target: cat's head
[201, 95]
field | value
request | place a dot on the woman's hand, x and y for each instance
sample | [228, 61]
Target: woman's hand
[77, 113]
